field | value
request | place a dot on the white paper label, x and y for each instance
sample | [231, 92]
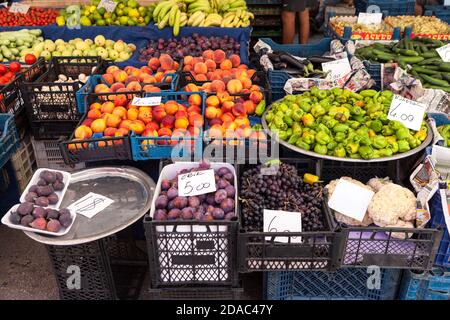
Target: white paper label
[282, 221]
[19, 8]
[408, 112]
[109, 5]
[446, 2]
[90, 204]
[146, 102]
[196, 183]
[369, 18]
[338, 68]
[4, 4]
[350, 199]
[444, 52]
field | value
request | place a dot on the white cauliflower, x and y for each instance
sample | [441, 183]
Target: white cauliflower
[377, 183]
[343, 218]
[401, 224]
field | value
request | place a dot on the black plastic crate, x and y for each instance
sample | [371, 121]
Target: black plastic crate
[262, 251]
[191, 253]
[74, 66]
[197, 293]
[97, 148]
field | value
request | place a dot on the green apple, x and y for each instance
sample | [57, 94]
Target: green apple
[100, 40]
[92, 52]
[56, 54]
[109, 43]
[46, 55]
[102, 52]
[66, 53]
[124, 56]
[81, 46]
[60, 47]
[77, 53]
[59, 42]
[89, 42]
[119, 46]
[49, 45]
[113, 55]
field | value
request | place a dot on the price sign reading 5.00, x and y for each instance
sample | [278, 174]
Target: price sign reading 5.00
[196, 183]
[408, 112]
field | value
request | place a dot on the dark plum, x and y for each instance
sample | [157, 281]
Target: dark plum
[222, 184]
[201, 197]
[161, 202]
[227, 205]
[41, 183]
[229, 177]
[165, 184]
[220, 195]
[48, 176]
[26, 220]
[44, 191]
[58, 186]
[223, 171]
[210, 198]
[231, 191]
[15, 218]
[174, 214]
[33, 188]
[229, 216]
[187, 213]
[65, 219]
[39, 212]
[53, 198]
[42, 202]
[31, 196]
[172, 193]
[25, 208]
[53, 225]
[180, 202]
[59, 176]
[209, 209]
[160, 214]
[207, 217]
[193, 202]
[52, 214]
[64, 211]
[198, 215]
[170, 205]
[218, 214]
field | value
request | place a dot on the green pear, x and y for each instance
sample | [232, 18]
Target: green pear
[113, 55]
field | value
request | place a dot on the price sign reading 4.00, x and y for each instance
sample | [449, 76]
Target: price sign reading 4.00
[196, 183]
[408, 112]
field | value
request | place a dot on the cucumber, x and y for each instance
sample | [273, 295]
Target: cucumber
[435, 81]
[431, 86]
[6, 52]
[430, 54]
[446, 76]
[411, 59]
[433, 61]
[423, 70]
[408, 52]
[445, 66]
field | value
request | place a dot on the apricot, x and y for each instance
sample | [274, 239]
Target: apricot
[191, 87]
[229, 126]
[255, 88]
[108, 78]
[196, 60]
[75, 146]
[256, 97]
[112, 69]
[211, 112]
[103, 144]
[166, 62]
[120, 76]
[95, 105]
[218, 86]
[193, 131]
[206, 86]
[208, 54]
[150, 88]
[176, 65]
[171, 107]
[134, 86]
[120, 100]
[219, 56]
[158, 113]
[234, 86]
[200, 77]
[122, 131]
[168, 121]
[188, 68]
[200, 68]
[243, 131]
[226, 65]
[195, 99]
[196, 120]
[210, 65]
[98, 125]
[121, 112]
[116, 86]
[235, 60]
[94, 114]
[83, 132]
[110, 132]
[181, 123]
[251, 72]
[137, 126]
[154, 64]
[181, 114]
[249, 107]
[242, 66]
[99, 88]
[246, 83]
[149, 133]
[223, 96]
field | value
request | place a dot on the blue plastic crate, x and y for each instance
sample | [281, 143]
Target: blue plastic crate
[146, 148]
[278, 78]
[374, 69]
[438, 219]
[387, 7]
[9, 137]
[84, 91]
[441, 12]
[344, 284]
[434, 285]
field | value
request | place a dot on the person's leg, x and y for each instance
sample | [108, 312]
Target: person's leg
[303, 35]
[288, 20]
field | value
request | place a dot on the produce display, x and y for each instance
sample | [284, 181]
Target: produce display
[193, 45]
[342, 123]
[418, 57]
[306, 68]
[218, 205]
[420, 24]
[285, 190]
[37, 217]
[201, 13]
[444, 131]
[338, 23]
[8, 72]
[126, 13]
[34, 17]
[45, 191]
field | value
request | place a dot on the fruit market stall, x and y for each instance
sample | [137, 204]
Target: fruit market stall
[306, 164]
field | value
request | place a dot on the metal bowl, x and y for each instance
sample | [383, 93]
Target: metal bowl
[397, 156]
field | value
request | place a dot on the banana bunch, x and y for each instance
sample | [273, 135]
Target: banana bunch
[169, 13]
[225, 6]
[238, 18]
[199, 5]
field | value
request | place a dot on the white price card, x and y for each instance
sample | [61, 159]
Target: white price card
[408, 112]
[146, 102]
[109, 5]
[196, 183]
[90, 204]
[350, 199]
[446, 2]
[337, 69]
[282, 221]
[369, 18]
[17, 7]
[4, 4]
[444, 52]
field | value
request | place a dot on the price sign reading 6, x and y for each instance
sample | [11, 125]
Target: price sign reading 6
[196, 183]
[282, 221]
[406, 111]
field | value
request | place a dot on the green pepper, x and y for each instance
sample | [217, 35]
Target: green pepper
[353, 124]
[322, 138]
[362, 131]
[308, 137]
[402, 133]
[421, 135]
[395, 125]
[283, 107]
[288, 132]
[386, 152]
[340, 127]
[339, 113]
[356, 96]
[297, 115]
[329, 122]
[339, 151]
[403, 146]
[379, 142]
[365, 140]
[288, 120]
[366, 152]
[279, 114]
[306, 106]
[294, 106]
[337, 91]
[314, 91]
[317, 110]
[376, 153]
[331, 145]
[383, 118]
[260, 108]
[355, 156]
[373, 107]
[289, 98]
[393, 146]
[352, 147]
[376, 125]
[355, 110]
[326, 104]
[340, 136]
[387, 131]
[293, 139]
[372, 133]
[322, 127]
[296, 128]
[413, 142]
[387, 94]
[368, 93]
[391, 139]
[302, 144]
[376, 115]
[269, 116]
[282, 134]
[308, 120]
[359, 118]
[320, 149]
[288, 112]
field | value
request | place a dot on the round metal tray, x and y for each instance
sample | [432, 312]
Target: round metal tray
[398, 156]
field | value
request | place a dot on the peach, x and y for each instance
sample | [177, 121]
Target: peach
[121, 112]
[83, 132]
[235, 60]
[216, 131]
[187, 60]
[238, 109]
[226, 65]
[166, 61]
[242, 66]
[112, 69]
[212, 101]
[154, 64]
[181, 123]
[99, 88]
[188, 68]
[87, 122]
[176, 65]
[120, 76]
[137, 126]
[193, 131]
[152, 126]
[164, 132]
[158, 113]
[243, 131]
[234, 86]
[129, 69]
[159, 76]
[75, 146]
[217, 86]
[251, 72]
[211, 112]
[215, 76]
[200, 77]
[145, 115]
[219, 56]
[249, 107]
[132, 114]
[196, 120]
[193, 109]
[190, 87]
[113, 120]
[168, 121]
[178, 133]
[210, 65]
[98, 125]
[171, 107]
[107, 107]
[208, 54]
[215, 121]
[125, 124]
[94, 114]
[223, 96]
[108, 78]
[146, 69]
[227, 116]
[242, 121]
[151, 88]
[120, 100]
[227, 79]
[146, 78]
[110, 132]
[103, 144]
[95, 105]
[195, 99]
[181, 114]
[230, 126]
[200, 68]
[122, 131]
[116, 86]
[206, 86]
[131, 79]
[246, 83]
[134, 86]
[227, 106]
[256, 97]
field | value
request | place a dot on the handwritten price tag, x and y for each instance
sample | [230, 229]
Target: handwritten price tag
[282, 221]
[19, 8]
[109, 5]
[146, 102]
[369, 18]
[338, 68]
[408, 112]
[196, 183]
[444, 52]
[90, 204]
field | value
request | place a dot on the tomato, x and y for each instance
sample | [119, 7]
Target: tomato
[14, 66]
[9, 75]
[3, 80]
[30, 58]
[3, 69]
